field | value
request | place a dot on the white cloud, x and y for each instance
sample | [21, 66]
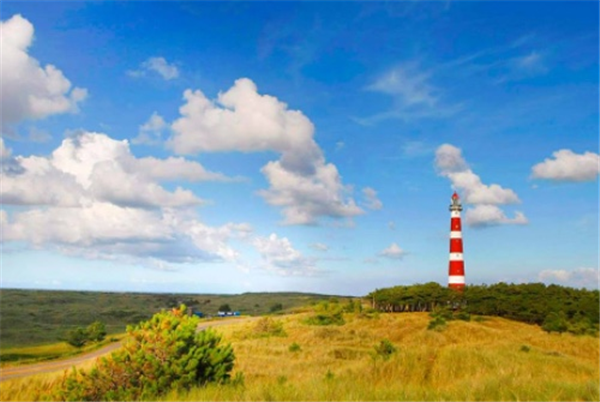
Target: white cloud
[320, 246]
[30, 91]
[281, 257]
[587, 277]
[151, 131]
[158, 65]
[370, 199]
[108, 231]
[568, 166]
[486, 198]
[490, 215]
[408, 83]
[305, 198]
[393, 252]
[414, 95]
[301, 182]
[93, 167]
[5, 152]
[93, 198]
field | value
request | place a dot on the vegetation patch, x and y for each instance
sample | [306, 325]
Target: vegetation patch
[266, 327]
[159, 355]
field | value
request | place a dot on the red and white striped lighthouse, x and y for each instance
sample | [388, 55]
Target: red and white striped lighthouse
[456, 274]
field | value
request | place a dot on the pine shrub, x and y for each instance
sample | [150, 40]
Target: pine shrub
[162, 354]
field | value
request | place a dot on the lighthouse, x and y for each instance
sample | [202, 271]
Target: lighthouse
[456, 271]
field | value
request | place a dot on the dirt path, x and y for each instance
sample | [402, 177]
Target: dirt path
[7, 373]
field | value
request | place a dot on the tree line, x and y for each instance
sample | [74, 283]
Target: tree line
[552, 306]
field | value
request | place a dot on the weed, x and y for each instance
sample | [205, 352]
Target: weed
[294, 347]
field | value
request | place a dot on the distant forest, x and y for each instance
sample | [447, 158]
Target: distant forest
[555, 308]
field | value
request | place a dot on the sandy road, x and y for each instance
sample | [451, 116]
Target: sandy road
[7, 373]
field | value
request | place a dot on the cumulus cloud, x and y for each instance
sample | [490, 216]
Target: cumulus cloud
[393, 252]
[305, 198]
[301, 182]
[95, 167]
[566, 165]
[490, 215]
[109, 231]
[486, 198]
[586, 277]
[157, 65]
[151, 132]
[30, 91]
[280, 256]
[370, 199]
[94, 198]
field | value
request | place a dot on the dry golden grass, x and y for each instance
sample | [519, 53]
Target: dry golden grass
[495, 360]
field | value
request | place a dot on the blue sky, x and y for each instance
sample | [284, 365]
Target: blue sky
[259, 146]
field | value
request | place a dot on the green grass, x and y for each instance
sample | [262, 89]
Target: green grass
[33, 354]
[37, 317]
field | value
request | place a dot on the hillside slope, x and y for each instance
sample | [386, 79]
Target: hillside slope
[494, 359]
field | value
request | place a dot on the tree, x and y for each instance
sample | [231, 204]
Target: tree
[159, 355]
[96, 331]
[77, 337]
[555, 322]
[276, 307]
[225, 308]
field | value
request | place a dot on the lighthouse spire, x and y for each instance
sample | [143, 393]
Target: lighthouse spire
[456, 271]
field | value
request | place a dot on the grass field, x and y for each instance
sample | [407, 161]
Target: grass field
[494, 359]
[38, 317]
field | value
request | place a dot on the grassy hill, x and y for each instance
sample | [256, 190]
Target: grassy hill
[36, 317]
[495, 359]
[285, 358]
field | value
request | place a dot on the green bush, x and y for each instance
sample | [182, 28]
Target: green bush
[96, 331]
[294, 347]
[159, 355]
[77, 337]
[276, 307]
[326, 319]
[555, 322]
[385, 349]
[437, 324]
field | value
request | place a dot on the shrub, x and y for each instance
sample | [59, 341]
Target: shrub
[267, 326]
[294, 347]
[326, 319]
[77, 337]
[96, 331]
[159, 355]
[276, 307]
[555, 322]
[462, 315]
[385, 349]
[437, 324]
